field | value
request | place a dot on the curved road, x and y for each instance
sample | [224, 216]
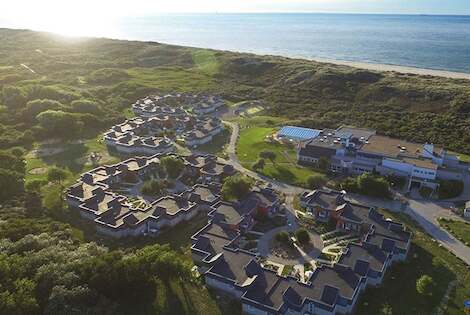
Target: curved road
[424, 212]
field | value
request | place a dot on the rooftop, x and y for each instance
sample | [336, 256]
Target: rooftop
[298, 132]
[392, 147]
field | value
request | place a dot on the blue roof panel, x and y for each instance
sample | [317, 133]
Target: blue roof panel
[298, 132]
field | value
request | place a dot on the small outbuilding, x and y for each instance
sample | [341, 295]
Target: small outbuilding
[466, 211]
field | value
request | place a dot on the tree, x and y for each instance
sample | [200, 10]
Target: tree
[283, 237]
[153, 187]
[13, 97]
[35, 107]
[173, 166]
[302, 236]
[316, 181]
[367, 184]
[425, 285]
[33, 203]
[11, 183]
[12, 162]
[259, 165]
[53, 200]
[236, 187]
[57, 175]
[268, 155]
[57, 123]
[386, 309]
[373, 185]
[85, 107]
[323, 163]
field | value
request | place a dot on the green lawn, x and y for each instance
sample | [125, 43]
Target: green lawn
[285, 168]
[399, 287]
[460, 230]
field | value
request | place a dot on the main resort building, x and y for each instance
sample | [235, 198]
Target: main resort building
[355, 151]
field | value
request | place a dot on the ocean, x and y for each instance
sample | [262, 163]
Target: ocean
[423, 41]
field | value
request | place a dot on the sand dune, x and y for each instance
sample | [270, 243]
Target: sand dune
[400, 69]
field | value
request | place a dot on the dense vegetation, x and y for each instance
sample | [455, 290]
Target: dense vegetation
[367, 184]
[54, 88]
[87, 84]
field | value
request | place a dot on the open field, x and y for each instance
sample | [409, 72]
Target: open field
[399, 287]
[461, 230]
[284, 167]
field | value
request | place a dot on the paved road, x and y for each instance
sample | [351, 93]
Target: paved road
[424, 212]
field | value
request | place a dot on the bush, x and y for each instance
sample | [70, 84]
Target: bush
[450, 188]
[425, 285]
[316, 181]
[302, 236]
[367, 184]
[283, 237]
[85, 107]
[236, 187]
[259, 165]
[173, 166]
[153, 187]
[425, 192]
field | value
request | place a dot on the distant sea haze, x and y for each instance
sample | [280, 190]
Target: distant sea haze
[423, 41]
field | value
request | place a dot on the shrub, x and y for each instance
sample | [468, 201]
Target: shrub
[316, 181]
[259, 165]
[173, 166]
[425, 285]
[283, 237]
[302, 236]
[450, 188]
[153, 187]
[367, 184]
[236, 187]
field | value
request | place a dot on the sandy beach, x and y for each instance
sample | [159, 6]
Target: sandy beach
[400, 69]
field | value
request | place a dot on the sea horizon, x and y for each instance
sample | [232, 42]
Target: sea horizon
[422, 41]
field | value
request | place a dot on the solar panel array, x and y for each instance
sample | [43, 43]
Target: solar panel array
[298, 132]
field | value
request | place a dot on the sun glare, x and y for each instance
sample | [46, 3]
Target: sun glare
[76, 26]
[66, 18]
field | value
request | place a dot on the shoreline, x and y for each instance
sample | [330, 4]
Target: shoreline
[394, 68]
[379, 67]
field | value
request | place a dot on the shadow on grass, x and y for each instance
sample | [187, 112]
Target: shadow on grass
[399, 287]
[73, 157]
[283, 174]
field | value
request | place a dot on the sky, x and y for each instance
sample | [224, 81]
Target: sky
[19, 8]
[85, 16]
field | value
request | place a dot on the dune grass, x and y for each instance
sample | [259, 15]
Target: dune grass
[206, 61]
[171, 79]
